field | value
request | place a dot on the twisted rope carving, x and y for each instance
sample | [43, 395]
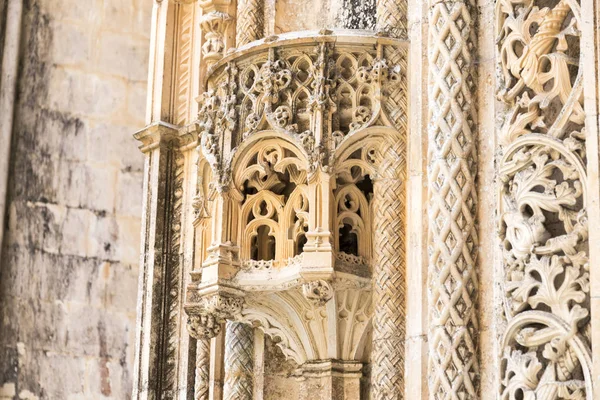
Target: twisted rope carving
[202, 382]
[389, 296]
[239, 362]
[453, 365]
[392, 17]
[250, 21]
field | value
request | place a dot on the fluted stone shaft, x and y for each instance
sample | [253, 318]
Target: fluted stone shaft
[392, 17]
[239, 362]
[453, 365]
[250, 25]
[389, 274]
[202, 382]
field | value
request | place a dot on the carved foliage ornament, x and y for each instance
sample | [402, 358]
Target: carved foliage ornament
[546, 346]
[206, 314]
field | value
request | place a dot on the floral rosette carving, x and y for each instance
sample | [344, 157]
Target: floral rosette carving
[544, 229]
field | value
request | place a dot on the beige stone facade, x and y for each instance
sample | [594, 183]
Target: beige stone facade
[395, 209]
[339, 199]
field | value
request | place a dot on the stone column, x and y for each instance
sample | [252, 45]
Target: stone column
[453, 365]
[392, 17]
[389, 267]
[239, 361]
[157, 339]
[202, 380]
[250, 24]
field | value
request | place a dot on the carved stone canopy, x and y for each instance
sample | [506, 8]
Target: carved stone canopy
[292, 134]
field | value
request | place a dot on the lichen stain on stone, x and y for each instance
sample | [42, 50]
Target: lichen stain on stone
[357, 14]
[105, 387]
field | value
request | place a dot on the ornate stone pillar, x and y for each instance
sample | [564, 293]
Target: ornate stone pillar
[202, 379]
[453, 365]
[239, 361]
[250, 24]
[389, 266]
[392, 18]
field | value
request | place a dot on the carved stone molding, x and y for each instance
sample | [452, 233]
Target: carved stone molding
[547, 344]
[453, 320]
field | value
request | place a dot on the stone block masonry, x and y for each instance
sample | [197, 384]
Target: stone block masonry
[69, 264]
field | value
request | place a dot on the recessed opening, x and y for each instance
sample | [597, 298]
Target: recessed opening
[263, 245]
[348, 240]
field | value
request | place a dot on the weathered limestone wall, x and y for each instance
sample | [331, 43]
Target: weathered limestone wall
[69, 266]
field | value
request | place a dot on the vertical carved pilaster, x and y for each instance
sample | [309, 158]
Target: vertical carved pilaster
[546, 346]
[202, 380]
[389, 266]
[159, 317]
[250, 24]
[239, 361]
[392, 17]
[453, 364]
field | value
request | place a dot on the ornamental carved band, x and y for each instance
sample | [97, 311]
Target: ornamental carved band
[389, 266]
[546, 345]
[453, 365]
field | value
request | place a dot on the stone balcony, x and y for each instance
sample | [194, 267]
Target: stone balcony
[292, 133]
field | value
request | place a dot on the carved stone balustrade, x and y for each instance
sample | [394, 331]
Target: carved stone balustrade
[292, 132]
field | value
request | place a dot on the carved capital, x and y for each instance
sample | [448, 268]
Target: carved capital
[156, 135]
[203, 326]
[207, 313]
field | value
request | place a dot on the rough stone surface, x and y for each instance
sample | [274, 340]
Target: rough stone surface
[68, 273]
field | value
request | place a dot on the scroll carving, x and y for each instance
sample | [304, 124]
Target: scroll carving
[453, 285]
[546, 345]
